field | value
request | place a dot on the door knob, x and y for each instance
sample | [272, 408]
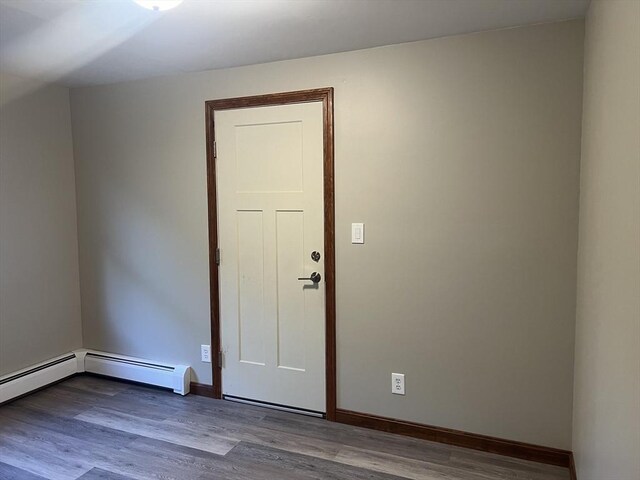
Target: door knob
[315, 277]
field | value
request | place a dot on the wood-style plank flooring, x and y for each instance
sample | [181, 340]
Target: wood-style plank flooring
[92, 428]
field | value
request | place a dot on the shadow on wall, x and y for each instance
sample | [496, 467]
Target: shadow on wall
[135, 281]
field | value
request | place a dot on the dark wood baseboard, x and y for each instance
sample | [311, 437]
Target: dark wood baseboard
[202, 390]
[500, 446]
[526, 451]
[572, 468]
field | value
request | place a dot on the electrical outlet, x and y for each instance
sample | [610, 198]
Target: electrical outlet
[397, 383]
[205, 353]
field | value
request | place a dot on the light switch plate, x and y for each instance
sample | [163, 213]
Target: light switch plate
[357, 233]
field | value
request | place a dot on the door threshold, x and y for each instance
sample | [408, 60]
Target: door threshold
[274, 406]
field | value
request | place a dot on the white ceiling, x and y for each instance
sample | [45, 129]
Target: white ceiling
[82, 42]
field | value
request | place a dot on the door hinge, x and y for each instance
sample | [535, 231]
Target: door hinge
[220, 357]
[217, 256]
[215, 150]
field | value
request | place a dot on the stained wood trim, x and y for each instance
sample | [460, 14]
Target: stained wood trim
[500, 446]
[214, 295]
[202, 390]
[573, 474]
[324, 95]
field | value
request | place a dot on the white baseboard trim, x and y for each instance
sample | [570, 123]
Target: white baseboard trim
[37, 376]
[16, 384]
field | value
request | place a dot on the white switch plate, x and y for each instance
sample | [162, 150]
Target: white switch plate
[205, 353]
[357, 233]
[397, 383]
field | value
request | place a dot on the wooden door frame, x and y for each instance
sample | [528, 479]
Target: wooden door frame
[324, 95]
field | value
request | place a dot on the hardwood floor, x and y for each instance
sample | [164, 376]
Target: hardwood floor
[92, 428]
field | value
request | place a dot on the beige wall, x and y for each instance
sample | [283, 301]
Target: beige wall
[606, 419]
[39, 279]
[460, 154]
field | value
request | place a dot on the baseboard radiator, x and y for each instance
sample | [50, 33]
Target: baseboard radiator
[17, 384]
[37, 376]
[175, 377]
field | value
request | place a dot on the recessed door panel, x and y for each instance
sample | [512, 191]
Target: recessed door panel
[257, 145]
[291, 298]
[251, 287]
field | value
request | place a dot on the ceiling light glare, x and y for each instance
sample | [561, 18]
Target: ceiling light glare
[158, 5]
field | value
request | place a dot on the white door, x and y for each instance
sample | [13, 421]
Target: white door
[270, 221]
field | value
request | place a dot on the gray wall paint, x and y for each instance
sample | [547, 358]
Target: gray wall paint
[39, 278]
[460, 154]
[606, 418]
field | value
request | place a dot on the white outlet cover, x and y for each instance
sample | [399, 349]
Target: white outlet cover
[397, 383]
[205, 353]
